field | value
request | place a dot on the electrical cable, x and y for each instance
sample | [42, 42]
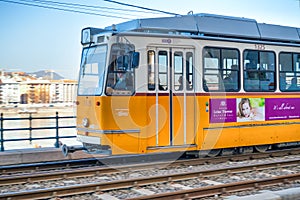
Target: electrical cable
[63, 9]
[77, 6]
[88, 6]
[140, 7]
[86, 9]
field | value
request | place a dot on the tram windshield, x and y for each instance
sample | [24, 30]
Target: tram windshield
[121, 76]
[92, 70]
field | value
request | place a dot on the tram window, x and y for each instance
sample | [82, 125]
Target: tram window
[151, 72]
[178, 71]
[162, 70]
[92, 70]
[289, 73]
[189, 71]
[221, 69]
[120, 77]
[259, 71]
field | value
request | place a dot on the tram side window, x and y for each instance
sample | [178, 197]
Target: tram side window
[221, 69]
[178, 71]
[189, 70]
[289, 72]
[183, 79]
[162, 70]
[259, 71]
[151, 72]
[120, 77]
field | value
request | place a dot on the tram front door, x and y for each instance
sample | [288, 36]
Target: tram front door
[172, 73]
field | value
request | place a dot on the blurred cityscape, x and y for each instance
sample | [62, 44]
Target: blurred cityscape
[18, 89]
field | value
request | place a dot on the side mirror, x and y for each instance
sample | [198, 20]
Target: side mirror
[135, 59]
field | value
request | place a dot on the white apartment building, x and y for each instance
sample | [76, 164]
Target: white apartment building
[63, 91]
[9, 92]
[19, 90]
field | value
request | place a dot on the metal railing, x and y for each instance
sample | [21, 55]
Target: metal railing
[30, 128]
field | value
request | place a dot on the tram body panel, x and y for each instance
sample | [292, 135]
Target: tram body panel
[151, 119]
[218, 138]
[288, 133]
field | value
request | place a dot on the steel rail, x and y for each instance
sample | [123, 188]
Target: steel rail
[113, 161]
[129, 183]
[51, 165]
[93, 171]
[100, 170]
[109, 160]
[223, 189]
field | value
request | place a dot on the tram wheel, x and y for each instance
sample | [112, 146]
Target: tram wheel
[210, 153]
[228, 151]
[246, 150]
[262, 148]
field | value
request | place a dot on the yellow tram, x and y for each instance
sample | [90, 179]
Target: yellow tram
[194, 83]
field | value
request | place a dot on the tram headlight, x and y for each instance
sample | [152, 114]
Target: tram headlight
[85, 122]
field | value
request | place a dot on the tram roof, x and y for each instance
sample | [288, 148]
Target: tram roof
[211, 25]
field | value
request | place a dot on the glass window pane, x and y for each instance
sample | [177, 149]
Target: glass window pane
[285, 62]
[212, 83]
[259, 74]
[293, 82]
[221, 69]
[163, 82]
[230, 71]
[162, 70]
[250, 60]
[162, 61]
[178, 62]
[120, 78]
[296, 59]
[151, 72]
[211, 71]
[189, 70]
[92, 71]
[178, 71]
[267, 61]
[289, 68]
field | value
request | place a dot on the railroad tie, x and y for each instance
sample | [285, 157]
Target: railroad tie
[143, 191]
[105, 196]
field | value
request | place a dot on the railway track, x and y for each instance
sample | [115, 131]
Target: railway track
[168, 178]
[61, 165]
[125, 160]
[223, 189]
[96, 171]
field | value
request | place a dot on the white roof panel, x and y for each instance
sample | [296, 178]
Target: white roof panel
[276, 32]
[227, 26]
[212, 25]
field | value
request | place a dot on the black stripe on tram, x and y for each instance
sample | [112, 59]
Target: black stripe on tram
[171, 98]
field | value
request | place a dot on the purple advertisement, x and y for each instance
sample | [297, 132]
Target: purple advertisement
[282, 108]
[253, 109]
[222, 110]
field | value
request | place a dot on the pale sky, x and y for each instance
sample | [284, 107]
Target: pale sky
[36, 38]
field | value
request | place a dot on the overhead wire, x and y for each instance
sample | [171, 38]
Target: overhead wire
[64, 9]
[81, 7]
[91, 9]
[87, 6]
[140, 7]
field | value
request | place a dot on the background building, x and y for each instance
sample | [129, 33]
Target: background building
[22, 88]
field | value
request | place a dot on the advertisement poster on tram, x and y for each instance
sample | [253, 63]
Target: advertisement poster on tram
[282, 108]
[250, 109]
[222, 110]
[253, 109]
